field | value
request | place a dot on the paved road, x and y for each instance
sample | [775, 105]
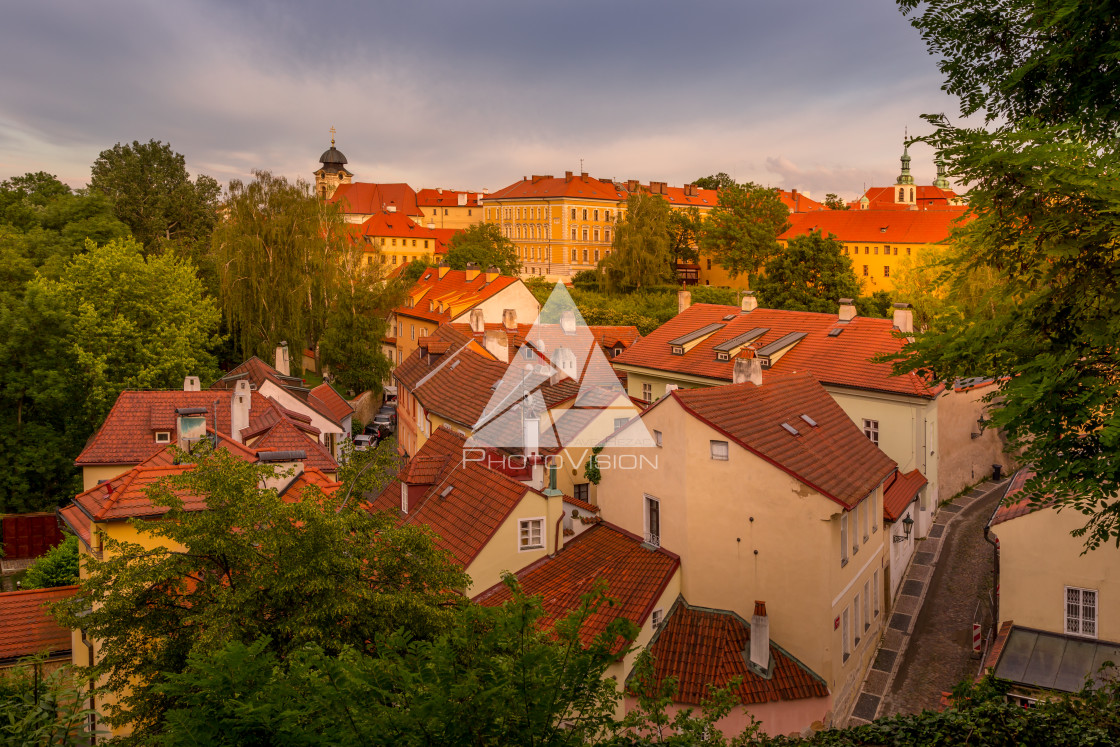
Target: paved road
[939, 653]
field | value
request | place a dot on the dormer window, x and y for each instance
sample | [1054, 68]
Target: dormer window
[678, 349]
[723, 356]
[163, 437]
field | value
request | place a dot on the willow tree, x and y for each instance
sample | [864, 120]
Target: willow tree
[641, 254]
[277, 251]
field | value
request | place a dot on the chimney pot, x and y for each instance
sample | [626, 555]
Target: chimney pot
[282, 363]
[567, 176]
[240, 404]
[191, 384]
[748, 303]
[509, 318]
[847, 310]
[684, 300]
[903, 318]
[478, 323]
[747, 367]
[760, 636]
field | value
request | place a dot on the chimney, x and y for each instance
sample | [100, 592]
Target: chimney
[497, 344]
[747, 368]
[439, 190]
[567, 176]
[239, 409]
[760, 636]
[568, 322]
[472, 271]
[478, 323]
[492, 274]
[191, 424]
[632, 185]
[847, 310]
[191, 384]
[583, 174]
[282, 359]
[748, 303]
[462, 199]
[509, 318]
[903, 318]
[684, 300]
[442, 268]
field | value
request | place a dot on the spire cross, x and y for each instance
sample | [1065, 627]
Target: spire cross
[332, 136]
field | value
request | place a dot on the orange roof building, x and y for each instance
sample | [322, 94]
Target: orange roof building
[28, 628]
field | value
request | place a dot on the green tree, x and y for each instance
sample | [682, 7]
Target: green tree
[741, 232]
[38, 711]
[641, 252]
[414, 270]
[484, 245]
[685, 226]
[278, 252]
[1043, 191]
[810, 274]
[833, 202]
[153, 194]
[322, 571]
[59, 567]
[715, 181]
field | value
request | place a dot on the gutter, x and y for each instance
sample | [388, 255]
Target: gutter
[992, 540]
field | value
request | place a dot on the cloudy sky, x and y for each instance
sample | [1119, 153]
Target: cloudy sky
[806, 94]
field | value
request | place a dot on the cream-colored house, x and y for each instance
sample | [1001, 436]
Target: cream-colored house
[769, 493]
[1058, 610]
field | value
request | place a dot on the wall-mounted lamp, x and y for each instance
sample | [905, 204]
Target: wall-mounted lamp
[907, 527]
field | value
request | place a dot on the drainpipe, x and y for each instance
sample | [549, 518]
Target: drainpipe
[994, 542]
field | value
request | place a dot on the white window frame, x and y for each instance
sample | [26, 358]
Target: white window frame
[524, 524]
[843, 539]
[657, 437]
[871, 427]
[1078, 601]
[647, 392]
[714, 448]
[867, 518]
[163, 437]
[866, 605]
[657, 618]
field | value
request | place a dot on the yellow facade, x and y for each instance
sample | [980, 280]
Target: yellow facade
[393, 251]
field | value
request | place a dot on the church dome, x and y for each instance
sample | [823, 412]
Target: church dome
[332, 157]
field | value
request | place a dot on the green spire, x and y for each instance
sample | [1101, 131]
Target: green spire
[941, 181]
[904, 177]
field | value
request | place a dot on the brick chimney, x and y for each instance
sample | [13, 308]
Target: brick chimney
[191, 384]
[903, 318]
[509, 318]
[282, 364]
[684, 300]
[491, 274]
[442, 268]
[748, 303]
[567, 176]
[478, 323]
[472, 271]
[760, 636]
[747, 368]
[240, 403]
[847, 310]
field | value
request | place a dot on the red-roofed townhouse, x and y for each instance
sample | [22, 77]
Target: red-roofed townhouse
[767, 491]
[449, 209]
[394, 240]
[1058, 605]
[27, 628]
[358, 201]
[702, 345]
[443, 296]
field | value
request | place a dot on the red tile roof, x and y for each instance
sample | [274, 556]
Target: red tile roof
[286, 436]
[841, 360]
[326, 398]
[878, 226]
[28, 628]
[445, 198]
[833, 456]
[126, 496]
[900, 492]
[1016, 501]
[310, 476]
[395, 225]
[798, 202]
[365, 198]
[882, 198]
[443, 299]
[636, 577]
[257, 372]
[77, 521]
[701, 647]
[584, 187]
[466, 517]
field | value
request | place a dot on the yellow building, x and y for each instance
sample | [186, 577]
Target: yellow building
[562, 226]
[449, 209]
[394, 240]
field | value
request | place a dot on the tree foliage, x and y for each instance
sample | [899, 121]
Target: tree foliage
[38, 711]
[484, 245]
[153, 194]
[641, 252]
[1043, 191]
[741, 232]
[810, 274]
[277, 252]
[715, 181]
[320, 571]
[833, 202]
[685, 226]
[59, 567]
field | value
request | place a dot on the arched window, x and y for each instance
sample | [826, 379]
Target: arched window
[901, 194]
[911, 194]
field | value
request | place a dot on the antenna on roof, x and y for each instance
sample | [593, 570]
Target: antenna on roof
[581, 165]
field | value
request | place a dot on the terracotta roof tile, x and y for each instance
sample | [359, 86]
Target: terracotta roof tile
[77, 521]
[584, 187]
[798, 202]
[466, 516]
[841, 360]
[1016, 502]
[901, 490]
[833, 456]
[328, 399]
[27, 627]
[443, 299]
[286, 436]
[636, 577]
[311, 476]
[878, 226]
[702, 647]
[445, 198]
[366, 198]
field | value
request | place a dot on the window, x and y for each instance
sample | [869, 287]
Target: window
[530, 535]
[445, 211]
[843, 539]
[658, 617]
[871, 430]
[709, 264]
[866, 605]
[425, 243]
[1081, 612]
[866, 519]
[573, 213]
[585, 213]
[607, 236]
[647, 392]
[583, 491]
[867, 250]
[901, 194]
[413, 326]
[886, 271]
[163, 437]
[876, 250]
[607, 216]
[865, 270]
[468, 212]
[596, 234]
[887, 249]
[596, 251]
[596, 215]
[573, 239]
[653, 521]
[718, 450]
[907, 250]
[620, 423]
[844, 633]
[875, 583]
[573, 251]
[657, 437]
[855, 628]
[855, 529]
[875, 512]
[414, 242]
[584, 233]
[585, 251]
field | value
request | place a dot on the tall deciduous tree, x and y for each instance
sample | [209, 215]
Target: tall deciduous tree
[484, 245]
[277, 252]
[153, 194]
[685, 226]
[741, 232]
[641, 253]
[1043, 189]
[810, 274]
[322, 571]
[833, 202]
[715, 181]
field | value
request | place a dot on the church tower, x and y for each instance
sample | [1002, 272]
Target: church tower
[904, 185]
[332, 172]
[941, 181]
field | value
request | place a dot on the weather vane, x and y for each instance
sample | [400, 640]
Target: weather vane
[332, 136]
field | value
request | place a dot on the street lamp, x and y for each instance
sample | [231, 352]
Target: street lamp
[907, 526]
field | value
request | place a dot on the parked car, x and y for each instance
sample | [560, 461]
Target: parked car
[390, 396]
[384, 421]
[364, 442]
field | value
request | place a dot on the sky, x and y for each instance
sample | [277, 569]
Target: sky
[803, 94]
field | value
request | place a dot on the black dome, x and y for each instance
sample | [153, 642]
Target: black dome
[332, 157]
